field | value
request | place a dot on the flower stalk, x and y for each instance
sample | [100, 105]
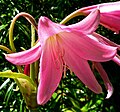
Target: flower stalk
[11, 40]
[32, 66]
[72, 15]
[28, 17]
[5, 49]
[26, 84]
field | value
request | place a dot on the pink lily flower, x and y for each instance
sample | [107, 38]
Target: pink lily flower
[60, 46]
[109, 14]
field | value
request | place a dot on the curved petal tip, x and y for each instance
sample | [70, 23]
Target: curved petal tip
[110, 91]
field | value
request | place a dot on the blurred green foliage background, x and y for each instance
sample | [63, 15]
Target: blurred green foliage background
[71, 95]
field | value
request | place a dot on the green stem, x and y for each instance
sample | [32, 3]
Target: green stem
[36, 71]
[32, 36]
[72, 15]
[19, 69]
[32, 71]
[5, 49]
[32, 66]
[30, 19]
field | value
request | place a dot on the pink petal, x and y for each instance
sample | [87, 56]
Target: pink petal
[47, 28]
[109, 14]
[104, 7]
[110, 21]
[81, 69]
[105, 40]
[116, 59]
[105, 78]
[25, 57]
[87, 25]
[50, 71]
[86, 47]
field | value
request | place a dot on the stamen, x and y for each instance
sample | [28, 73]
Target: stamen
[57, 51]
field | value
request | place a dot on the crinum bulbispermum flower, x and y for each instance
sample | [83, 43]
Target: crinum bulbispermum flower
[109, 14]
[59, 46]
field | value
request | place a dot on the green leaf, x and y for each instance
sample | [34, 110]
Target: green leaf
[3, 26]
[4, 84]
[8, 94]
[14, 75]
[26, 85]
